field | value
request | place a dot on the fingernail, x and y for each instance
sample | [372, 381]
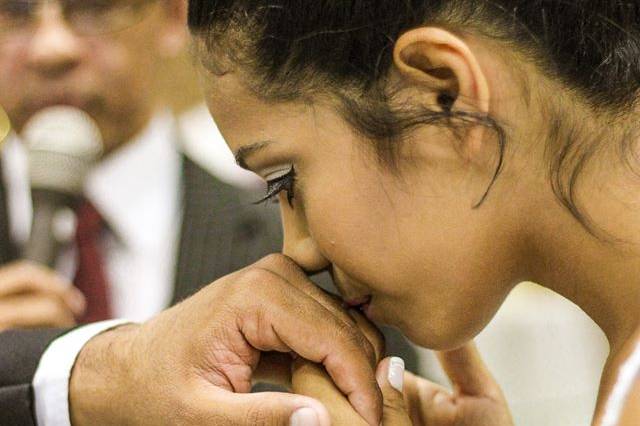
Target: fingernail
[396, 373]
[304, 417]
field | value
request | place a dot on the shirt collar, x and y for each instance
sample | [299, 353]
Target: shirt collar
[136, 188]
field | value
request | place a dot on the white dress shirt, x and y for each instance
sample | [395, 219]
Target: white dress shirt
[137, 191]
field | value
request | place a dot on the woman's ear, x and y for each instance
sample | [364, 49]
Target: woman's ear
[447, 72]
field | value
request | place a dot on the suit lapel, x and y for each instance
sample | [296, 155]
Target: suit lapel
[222, 231]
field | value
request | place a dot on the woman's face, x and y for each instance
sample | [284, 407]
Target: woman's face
[409, 243]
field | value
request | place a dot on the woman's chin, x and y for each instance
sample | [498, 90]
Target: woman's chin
[441, 332]
[439, 339]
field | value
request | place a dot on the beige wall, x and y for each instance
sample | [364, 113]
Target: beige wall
[547, 355]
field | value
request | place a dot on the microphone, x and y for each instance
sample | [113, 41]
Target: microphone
[63, 143]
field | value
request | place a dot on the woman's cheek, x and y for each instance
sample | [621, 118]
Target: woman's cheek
[343, 236]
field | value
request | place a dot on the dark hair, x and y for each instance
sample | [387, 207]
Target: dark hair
[293, 48]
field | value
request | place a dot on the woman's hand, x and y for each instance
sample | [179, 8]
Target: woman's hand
[475, 401]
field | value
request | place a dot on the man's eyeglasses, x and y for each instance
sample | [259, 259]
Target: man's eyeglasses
[84, 17]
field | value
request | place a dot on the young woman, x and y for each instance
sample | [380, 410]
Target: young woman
[435, 153]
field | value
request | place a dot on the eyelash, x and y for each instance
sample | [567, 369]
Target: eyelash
[276, 186]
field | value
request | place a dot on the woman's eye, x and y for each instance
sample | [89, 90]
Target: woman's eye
[283, 182]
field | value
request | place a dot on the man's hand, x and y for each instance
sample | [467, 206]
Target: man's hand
[193, 364]
[34, 296]
[476, 400]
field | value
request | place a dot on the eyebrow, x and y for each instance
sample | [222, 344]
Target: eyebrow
[248, 150]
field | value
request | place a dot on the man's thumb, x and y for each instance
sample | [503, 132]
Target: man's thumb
[277, 409]
[390, 377]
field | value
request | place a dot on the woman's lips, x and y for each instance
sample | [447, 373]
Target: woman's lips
[366, 310]
[358, 302]
[362, 304]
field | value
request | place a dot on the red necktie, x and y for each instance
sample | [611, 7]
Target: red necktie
[90, 275]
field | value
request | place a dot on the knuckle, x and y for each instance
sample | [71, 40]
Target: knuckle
[276, 261]
[54, 309]
[258, 279]
[255, 284]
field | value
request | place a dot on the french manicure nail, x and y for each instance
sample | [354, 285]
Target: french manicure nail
[304, 417]
[396, 373]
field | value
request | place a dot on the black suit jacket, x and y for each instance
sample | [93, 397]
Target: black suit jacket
[222, 230]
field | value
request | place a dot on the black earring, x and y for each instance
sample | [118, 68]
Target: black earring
[446, 101]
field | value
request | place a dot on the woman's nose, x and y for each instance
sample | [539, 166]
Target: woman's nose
[298, 241]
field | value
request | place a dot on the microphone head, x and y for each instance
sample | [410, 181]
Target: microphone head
[63, 144]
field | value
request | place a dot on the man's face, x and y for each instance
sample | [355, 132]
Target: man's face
[97, 55]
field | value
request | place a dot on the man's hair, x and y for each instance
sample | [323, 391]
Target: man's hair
[296, 48]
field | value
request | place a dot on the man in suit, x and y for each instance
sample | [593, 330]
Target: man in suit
[169, 225]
